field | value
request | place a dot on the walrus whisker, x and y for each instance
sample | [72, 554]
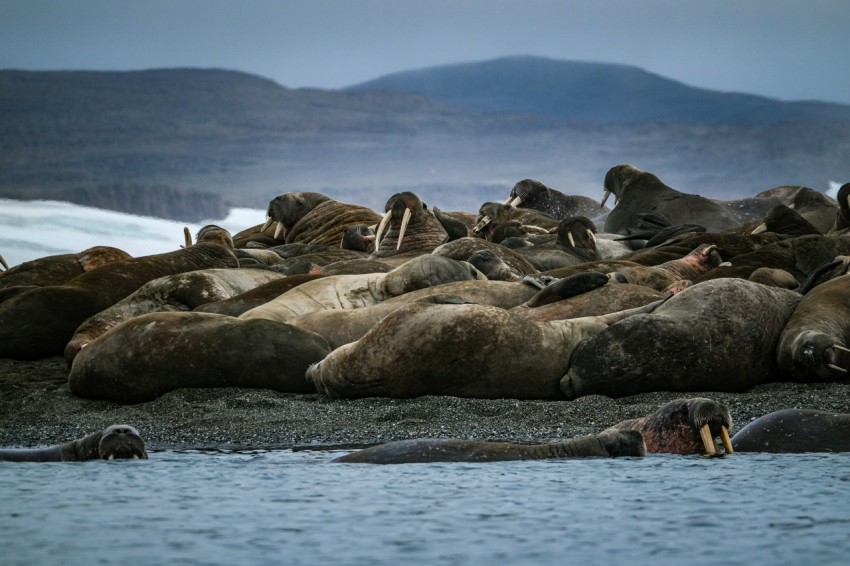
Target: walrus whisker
[404, 220]
[3, 263]
[727, 442]
[836, 368]
[707, 440]
[379, 233]
[840, 347]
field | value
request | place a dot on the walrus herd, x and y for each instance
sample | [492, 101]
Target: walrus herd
[540, 296]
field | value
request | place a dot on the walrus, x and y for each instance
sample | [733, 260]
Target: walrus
[609, 444]
[608, 298]
[115, 442]
[57, 269]
[464, 350]
[842, 215]
[314, 218]
[154, 353]
[636, 191]
[534, 194]
[407, 229]
[815, 342]
[492, 215]
[464, 248]
[719, 335]
[40, 322]
[795, 430]
[342, 326]
[242, 302]
[684, 426]
[357, 291]
[179, 292]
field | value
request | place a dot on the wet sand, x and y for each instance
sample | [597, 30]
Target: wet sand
[37, 408]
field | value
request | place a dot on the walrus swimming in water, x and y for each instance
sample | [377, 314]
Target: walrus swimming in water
[114, 442]
[610, 444]
[795, 430]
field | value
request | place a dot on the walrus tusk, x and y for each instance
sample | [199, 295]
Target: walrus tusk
[278, 230]
[481, 224]
[572, 241]
[516, 202]
[404, 220]
[3, 262]
[605, 198]
[380, 231]
[592, 236]
[268, 223]
[842, 348]
[836, 368]
[187, 236]
[759, 229]
[707, 440]
[727, 442]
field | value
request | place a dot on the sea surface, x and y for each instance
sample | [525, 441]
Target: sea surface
[284, 507]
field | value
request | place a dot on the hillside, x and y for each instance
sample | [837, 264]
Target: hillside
[187, 144]
[596, 92]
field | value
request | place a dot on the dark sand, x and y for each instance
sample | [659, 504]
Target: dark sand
[36, 409]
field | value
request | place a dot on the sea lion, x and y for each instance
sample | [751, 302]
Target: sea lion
[357, 291]
[158, 352]
[636, 191]
[463, 350]
[719, 335]
[815, 343]
[40, 322]
[407, 229]
[314, 218]
[179, 292]
[57, 269]
[534, 194]
[610, 444]
[113, 442]
[684, 426]
[795, 430]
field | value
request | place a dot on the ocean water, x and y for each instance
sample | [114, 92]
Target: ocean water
[286, 507]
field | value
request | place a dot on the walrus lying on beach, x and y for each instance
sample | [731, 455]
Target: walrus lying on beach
[114, 442]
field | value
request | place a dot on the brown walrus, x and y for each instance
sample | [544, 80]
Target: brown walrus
[57, 269]
[114, 442]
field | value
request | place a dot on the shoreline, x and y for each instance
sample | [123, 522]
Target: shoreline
[38, 409]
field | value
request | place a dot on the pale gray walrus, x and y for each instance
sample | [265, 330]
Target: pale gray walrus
[114, 442]
[462, 350]
[357, 291]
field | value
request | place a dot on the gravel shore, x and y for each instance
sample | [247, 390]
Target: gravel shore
[36, 409]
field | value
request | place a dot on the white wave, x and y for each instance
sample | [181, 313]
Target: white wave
[33, 229]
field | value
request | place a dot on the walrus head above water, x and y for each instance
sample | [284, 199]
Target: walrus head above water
[121, 442]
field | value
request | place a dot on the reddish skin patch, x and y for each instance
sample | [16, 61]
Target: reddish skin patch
[674, 428]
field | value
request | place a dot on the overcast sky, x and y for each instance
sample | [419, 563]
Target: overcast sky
[787, 49]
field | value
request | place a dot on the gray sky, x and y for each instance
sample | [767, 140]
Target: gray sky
[786, 49]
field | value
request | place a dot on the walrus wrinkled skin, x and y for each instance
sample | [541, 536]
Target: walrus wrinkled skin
[795, 430]
[815, 344]
[609, 444]
[57, 269]
[606, 299]
[40, 322]
[719, 335]
[637, 191]
[314, 218]
[463, 350]
[407, 229]
[180, 292]
[155, 353]
[116, 442]
[684, 426]
[357, 291]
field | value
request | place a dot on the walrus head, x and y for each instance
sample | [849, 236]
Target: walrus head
[213, 234]
[686, 426]
[287, 209]
[121, 442]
